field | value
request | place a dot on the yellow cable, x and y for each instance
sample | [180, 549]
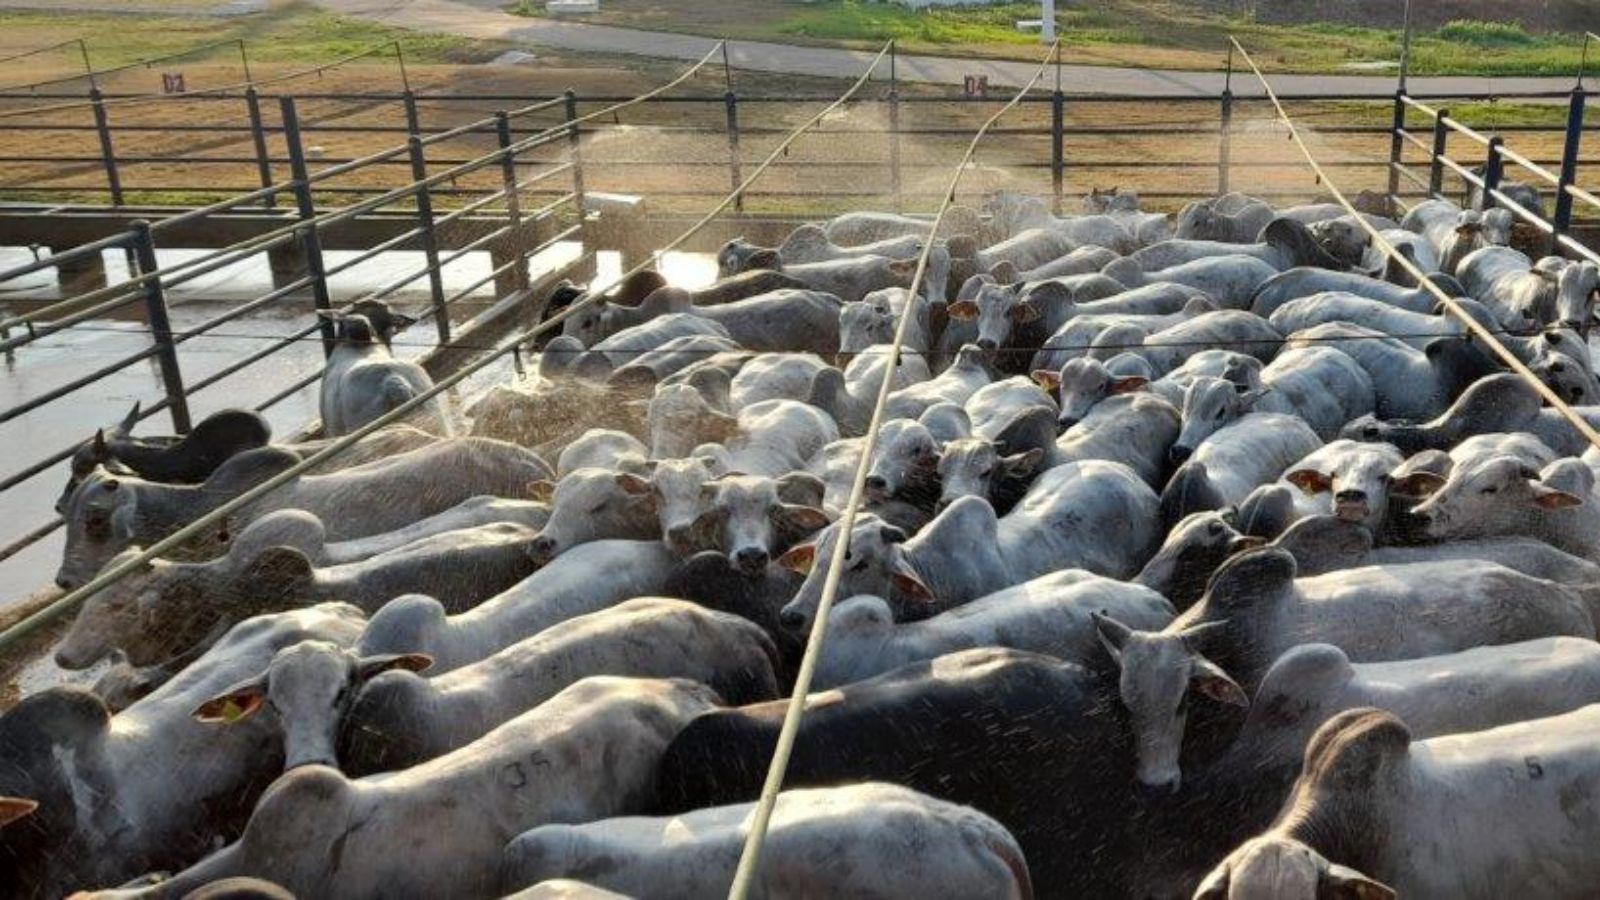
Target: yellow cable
[750, 858]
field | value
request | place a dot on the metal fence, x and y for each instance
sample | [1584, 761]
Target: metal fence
[1062, 137]
[495, 219]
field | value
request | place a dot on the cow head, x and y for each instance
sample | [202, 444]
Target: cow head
[680, 419]
[1160, 673]
[905, 460]
[875, 563]
[679, 492]
[1081, 384]
[1500, 495]
[1274, 867]
[308, 687]
[1210, 405]
[101, 520]
[592, 505]
[1193, 550]
[997, 309]
[971, 467]
[1354, 476]
[749, 517]
[861, 325]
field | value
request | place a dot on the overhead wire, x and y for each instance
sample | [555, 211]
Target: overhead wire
[750, 855]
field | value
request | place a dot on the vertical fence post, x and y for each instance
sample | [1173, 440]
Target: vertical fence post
[306, 208]
[430, 243]
[1225, 144]
[1396, 144]
[1058, 158]
[1225, 130]
[107, 153]
[258, 136]
[731, 101]
[413, 121]
[573, 139]
[1569, 169]
[1441, 133]
[155, 299]
[508, 174]
[1493, 165]
[894, 151]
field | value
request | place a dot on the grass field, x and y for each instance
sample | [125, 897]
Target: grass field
[1150, 33]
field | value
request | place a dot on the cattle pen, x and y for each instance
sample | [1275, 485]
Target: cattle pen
[479, 207]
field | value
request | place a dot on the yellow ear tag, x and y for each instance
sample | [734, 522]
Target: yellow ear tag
[231, 711]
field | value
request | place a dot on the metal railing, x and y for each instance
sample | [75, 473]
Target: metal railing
[502, 223]
[729, 117]
[1488, 178]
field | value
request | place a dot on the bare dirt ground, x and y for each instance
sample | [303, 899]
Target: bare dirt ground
[678, 154]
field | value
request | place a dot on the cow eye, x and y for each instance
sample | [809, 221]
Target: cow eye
[1491, 489]
[1218, 416]
[1215, 528]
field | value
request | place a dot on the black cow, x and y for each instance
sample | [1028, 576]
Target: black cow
[1039, 744]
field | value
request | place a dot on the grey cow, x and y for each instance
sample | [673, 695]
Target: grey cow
[107, 513]
[588, 753]
[1048, 614]
[1092, 515]
[166, 785]
[823, 842]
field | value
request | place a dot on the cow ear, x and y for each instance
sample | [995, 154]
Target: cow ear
[1129, 384]
[1021, 465]
[799, 559]
[1208, 678]
[632, 484]
[1023, 313]
[131, 419]
[239, 702]
[962, 311]
[1344, 883]
[541, 490]
[101, 452]
[14, 808]
[802, 488]
[911, 587]
[1417, 484]
[1309, 481]
[1113, 634]
[370, 666]
[903, 268]
[889, 534]
[802, 518]
[764, 258]
[1050, 381]
[1546, 497]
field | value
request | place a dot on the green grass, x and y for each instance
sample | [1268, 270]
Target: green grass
[293, 33]
[883, 21]
[1149, 33]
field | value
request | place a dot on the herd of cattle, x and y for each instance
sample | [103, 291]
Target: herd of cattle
[1202, 556]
